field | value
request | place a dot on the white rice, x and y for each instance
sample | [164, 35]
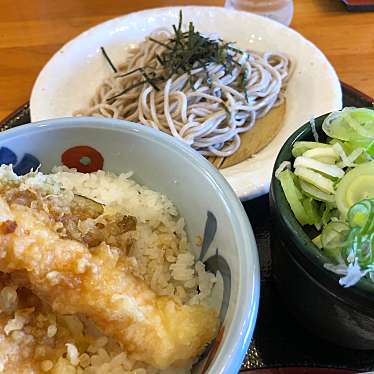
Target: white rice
[163, 256]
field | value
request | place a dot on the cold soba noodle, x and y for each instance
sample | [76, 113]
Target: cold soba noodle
[199, 89]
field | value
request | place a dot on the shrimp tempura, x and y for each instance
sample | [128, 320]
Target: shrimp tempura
[97, 283]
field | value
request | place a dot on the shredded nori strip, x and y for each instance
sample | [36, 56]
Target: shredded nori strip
[184, 52]
[108, 59]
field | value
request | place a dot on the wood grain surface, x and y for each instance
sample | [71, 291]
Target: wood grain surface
[32, 30]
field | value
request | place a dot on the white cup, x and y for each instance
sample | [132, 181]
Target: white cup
[279, 10]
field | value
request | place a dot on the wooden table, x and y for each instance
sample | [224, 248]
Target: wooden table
[32, 30]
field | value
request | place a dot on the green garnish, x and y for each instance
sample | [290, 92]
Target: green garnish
[332, 188]
[161, 43]
[108, 59]
[184, 52]
[353, 241]
[126, 90]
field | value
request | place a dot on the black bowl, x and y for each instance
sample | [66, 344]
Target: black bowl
[344, 316]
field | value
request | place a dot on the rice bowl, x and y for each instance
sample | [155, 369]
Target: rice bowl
[159, 254]
[165, 166]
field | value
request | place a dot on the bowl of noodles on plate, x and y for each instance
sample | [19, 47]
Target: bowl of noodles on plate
[229, 84]
[204, 91]
[122, 251]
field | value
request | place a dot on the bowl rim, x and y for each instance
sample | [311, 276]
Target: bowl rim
[231, 353]
[364, 289]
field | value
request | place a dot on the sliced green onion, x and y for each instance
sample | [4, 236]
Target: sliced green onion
[340, 151]
[311, 210]
[320, 153]
[293, 196]
[317, 241]
[362, 215]
[316, 179]
[315, 193]
[356, 185]
[350, 124]
[326, 214]
[370, 149]
[334, 235]
[344, 209]
[284, 165]
[301, 147]
[336, 126]
[310, 163]
[328, 160]
[363, 248]
[362, 121]
[350, 160]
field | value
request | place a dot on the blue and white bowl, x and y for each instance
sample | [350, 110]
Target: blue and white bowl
[202, 196]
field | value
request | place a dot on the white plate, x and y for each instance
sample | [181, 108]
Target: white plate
[70, 78]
